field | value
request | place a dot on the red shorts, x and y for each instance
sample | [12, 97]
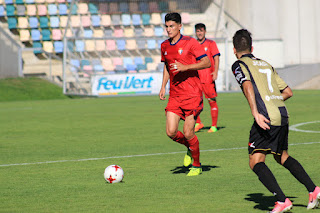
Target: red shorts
[185, 106]
[209, 90]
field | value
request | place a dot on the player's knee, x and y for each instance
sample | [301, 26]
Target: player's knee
[171, 133]
[189, 134]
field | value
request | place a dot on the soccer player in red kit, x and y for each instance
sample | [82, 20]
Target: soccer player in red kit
[208, 76]
[183, 56]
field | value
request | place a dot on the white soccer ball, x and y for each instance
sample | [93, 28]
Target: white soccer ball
[113, 174]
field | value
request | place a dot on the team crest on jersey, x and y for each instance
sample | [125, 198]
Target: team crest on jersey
[165, 53]
[205, 49]
[180, 51]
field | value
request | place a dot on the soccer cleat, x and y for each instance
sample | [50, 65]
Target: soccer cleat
[194, 171]
[213, 129]
[314, 198]
[282, 207]
[187, 159]
[198, 126]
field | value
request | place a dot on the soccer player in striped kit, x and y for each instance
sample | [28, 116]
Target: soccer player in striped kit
[266, 92]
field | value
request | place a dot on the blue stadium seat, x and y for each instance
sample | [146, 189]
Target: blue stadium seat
[52, 9]
[74, 9]
[84, 62]
[93, 8]
[159, 41]
[163, 6]
[19, 1]
[121, 44]
[138, 32]
[37, 45]
[141, 67]
[35, 35]
[151, 44]
[124, 7]
[46, 35]
[148, 60]
[115, 19]
[44, 22]
[127, 60]
[88, 33]
[2, 11]
[33, 22]
[158, 31]
[63, 9]
[54, 21]
[29, 1]
[70, 46]
[21, 10]
[138, 60]
[11, 10]
[143, 7]
[141, 44]
[74, 65]
[8, 1]
[136, 19]
[12, 23]
[95, 20]
[126, 19]
[80, 46]
[97, 66]
[146, 19]
[163, 15]
[58, 46]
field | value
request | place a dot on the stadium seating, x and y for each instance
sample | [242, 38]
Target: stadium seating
[129, 28]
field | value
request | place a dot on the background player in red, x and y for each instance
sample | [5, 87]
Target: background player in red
[208, 76]
[183, 56]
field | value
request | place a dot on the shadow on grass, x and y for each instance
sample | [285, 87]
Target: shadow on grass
[263, 202]
[182, 169]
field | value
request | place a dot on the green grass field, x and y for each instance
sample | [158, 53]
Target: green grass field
[53, 154]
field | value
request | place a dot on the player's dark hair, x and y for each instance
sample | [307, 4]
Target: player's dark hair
[173, 17]
[242, 40]
[200, 26]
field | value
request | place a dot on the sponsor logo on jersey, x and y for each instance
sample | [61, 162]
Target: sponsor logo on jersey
[272, 97]
[180, 51]
[165, 53]
[205, 49]
[259, 63]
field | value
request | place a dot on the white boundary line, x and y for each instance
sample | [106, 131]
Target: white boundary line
[132, 156]
[294, 127]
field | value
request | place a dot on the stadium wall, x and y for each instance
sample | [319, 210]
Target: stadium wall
[10, 56]
[295, 22]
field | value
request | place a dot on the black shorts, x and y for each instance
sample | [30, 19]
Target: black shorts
[274, 140]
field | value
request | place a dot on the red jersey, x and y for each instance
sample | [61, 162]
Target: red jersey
[212, 50]
[187, 50]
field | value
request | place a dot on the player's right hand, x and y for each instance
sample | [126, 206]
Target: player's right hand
[162, 94]
[262, 121]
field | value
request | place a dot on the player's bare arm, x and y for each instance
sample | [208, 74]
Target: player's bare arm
[287, 93]
[204, 63]
[165, 80]
[216, 68]
[249, 93]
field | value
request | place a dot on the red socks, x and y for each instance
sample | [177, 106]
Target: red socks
[214, 112]
[195, 151]
[192, 144]
[181, 139]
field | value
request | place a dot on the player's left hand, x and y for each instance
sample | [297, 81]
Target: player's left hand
[214, 76]
[178, 67]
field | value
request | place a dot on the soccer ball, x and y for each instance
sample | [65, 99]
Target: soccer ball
[113, 174]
